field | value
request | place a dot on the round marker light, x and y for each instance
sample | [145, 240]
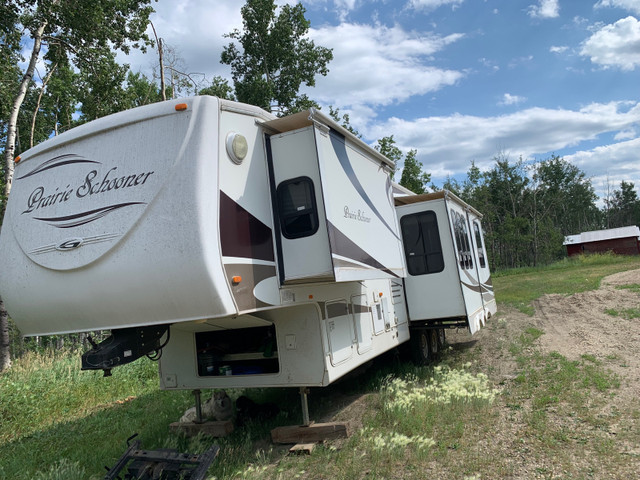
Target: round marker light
[237, 147]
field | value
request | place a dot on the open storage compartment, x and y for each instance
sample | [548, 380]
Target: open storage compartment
[246, 351]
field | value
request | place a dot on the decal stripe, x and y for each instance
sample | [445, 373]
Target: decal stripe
[337, 309]
[339, 146]
[242, 234]
[252, 275]
[345, 247]
[59, 161]
[70, 221]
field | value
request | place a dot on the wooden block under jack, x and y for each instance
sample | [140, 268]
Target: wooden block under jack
[213, 429]
[315, 432]
[302, 449]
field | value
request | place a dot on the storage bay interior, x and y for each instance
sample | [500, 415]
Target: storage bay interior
[246, 351]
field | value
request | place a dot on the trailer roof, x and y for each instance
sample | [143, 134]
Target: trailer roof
[423, 197]
[312, 116]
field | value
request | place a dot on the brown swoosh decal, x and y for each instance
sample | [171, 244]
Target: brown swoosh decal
[242, 234]
[252, 275]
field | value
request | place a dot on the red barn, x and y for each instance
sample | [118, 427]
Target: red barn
[623, 241]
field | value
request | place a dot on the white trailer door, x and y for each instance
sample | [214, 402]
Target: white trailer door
[466, 261]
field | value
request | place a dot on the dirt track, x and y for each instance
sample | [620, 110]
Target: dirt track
[575, 326]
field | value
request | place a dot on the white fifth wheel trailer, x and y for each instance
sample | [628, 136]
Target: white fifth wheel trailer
[254, 251]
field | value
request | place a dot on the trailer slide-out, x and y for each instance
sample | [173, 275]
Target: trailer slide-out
[254, 251]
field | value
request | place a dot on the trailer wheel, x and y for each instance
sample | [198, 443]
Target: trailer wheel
[420, 347]
[434, 338]
[441, 338]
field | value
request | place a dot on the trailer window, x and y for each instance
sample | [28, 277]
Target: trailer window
[297, 208]
[422, 246]
[462, 240]
[479, 245]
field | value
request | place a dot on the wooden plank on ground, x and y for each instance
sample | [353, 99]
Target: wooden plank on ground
[213, 429]
[302, 449]
[316, 432]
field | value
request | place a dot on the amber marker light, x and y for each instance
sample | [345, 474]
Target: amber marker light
[17, 159]
[181, 106]
[310, 297]
[236, 279]
[380, 294]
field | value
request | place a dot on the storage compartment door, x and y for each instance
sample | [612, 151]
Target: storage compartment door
[339, 331]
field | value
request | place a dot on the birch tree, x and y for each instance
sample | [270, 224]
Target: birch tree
[64, 33]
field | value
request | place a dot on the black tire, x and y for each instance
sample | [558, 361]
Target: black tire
[420, 347]
[441, 339]
[434, 339]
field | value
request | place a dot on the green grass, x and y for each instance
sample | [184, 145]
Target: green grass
[519, 287]
[634, 287]
[58, 422]
[627, 313]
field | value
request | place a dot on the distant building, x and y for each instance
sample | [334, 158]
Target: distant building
[623, 241]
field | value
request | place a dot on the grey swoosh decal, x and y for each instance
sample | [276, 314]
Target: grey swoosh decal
[345, 247]
[337, 141]
[59, 161]
[83, 218]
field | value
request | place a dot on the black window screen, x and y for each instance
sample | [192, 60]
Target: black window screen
[422, 246]
[462, 240]
[478, 235]
[297, 208]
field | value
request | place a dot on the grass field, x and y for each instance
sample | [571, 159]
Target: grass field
[57, 422]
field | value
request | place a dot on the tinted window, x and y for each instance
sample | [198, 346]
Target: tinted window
[478, 235]
[422, 243]
[297, 208]
[462, 240]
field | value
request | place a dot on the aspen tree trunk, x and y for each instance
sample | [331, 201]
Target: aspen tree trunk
[12, 128]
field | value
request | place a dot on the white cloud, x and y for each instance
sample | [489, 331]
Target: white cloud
[377, 65]
[446, 145]
[558, 49]
[626, 134]
[508, 99]
[610, 164]
[631, 5]
[616, 45]
[196, 29]
[433, 4]
[544, 9]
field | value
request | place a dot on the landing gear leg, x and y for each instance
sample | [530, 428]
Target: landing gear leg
[304, 391]
[199, 419]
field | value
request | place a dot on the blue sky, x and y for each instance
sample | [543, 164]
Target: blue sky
[462, 80]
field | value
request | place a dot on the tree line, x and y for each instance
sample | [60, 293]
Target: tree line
[529, 208]
[70, 75]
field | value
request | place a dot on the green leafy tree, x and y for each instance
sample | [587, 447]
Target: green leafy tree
[272, 57]
[387, 147]
[219, 88]
[343, 120]
[413, 177]
[623, 207]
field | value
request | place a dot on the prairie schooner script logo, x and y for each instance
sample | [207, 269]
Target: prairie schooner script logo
[359, 215]
[94, 183]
